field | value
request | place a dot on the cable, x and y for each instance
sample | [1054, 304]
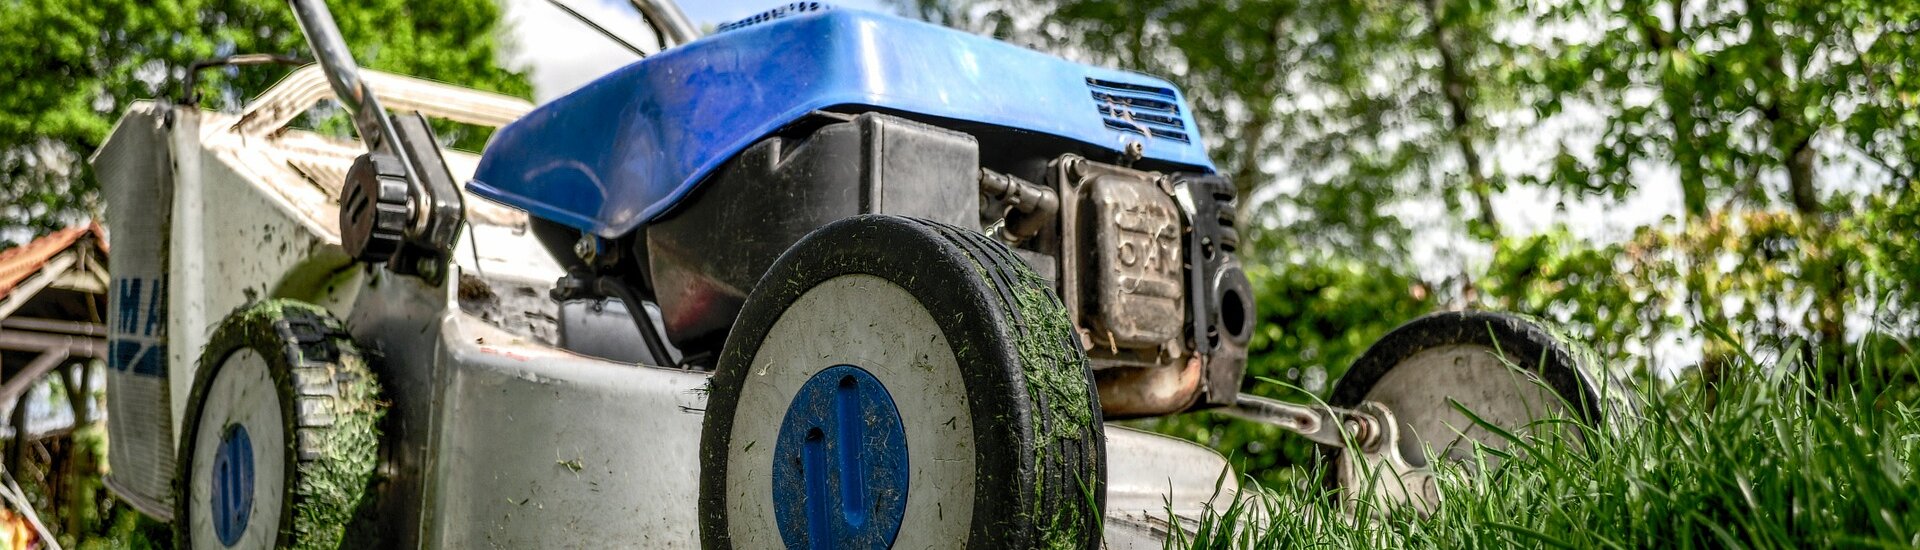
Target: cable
[638, 310]
[603, 30]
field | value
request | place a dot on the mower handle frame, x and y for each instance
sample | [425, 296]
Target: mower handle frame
[370, 120]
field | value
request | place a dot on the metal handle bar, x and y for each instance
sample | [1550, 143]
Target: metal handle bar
[369, 119]
[666, 18]
[344, 74]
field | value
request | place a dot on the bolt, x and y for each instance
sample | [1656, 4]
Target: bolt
[586, 248]
[1363, 433]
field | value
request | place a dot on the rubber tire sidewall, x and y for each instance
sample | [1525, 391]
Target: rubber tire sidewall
[922, 258]
[258, 328]
[1531, 345]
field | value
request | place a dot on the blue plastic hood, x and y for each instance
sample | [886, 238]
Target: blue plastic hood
[623, 149]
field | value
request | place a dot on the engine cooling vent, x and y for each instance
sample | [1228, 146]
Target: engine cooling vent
[1150, 111]
[795, 8]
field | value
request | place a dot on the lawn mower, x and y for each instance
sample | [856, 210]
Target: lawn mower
[820, 279]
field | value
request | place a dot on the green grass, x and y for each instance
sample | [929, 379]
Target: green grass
[1760, 461]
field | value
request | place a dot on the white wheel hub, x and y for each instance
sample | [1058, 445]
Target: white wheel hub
[1421, 389]
[866, 322]
[239, 458]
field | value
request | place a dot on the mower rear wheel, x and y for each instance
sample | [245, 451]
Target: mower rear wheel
[901, 383]
[1508, 371]
[280, 442]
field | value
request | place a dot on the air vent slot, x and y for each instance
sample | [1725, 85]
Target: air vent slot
[796, 8]
[1150, 111]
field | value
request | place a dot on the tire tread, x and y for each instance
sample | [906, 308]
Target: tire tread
[330, 408]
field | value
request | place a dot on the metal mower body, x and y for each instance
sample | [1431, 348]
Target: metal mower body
[870, 240]
[497, 435]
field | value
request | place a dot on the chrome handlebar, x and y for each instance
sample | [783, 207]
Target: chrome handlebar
[666, 17]
[376, 129]
[369, 119]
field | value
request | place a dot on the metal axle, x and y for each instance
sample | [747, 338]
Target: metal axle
[1373, 461]
[1326, 425]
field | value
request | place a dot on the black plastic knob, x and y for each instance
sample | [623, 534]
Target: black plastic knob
[373, 208]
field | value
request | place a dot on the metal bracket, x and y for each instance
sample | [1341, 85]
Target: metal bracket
[1370, 466]
[436, 208]
[1326, 425]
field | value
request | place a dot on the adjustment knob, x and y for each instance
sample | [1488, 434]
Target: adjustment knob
[373, 208]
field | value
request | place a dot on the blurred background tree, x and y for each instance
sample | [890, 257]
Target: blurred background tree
[1398, 158]
[73, 67]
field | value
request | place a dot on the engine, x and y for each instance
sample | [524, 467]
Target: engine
[679, 180]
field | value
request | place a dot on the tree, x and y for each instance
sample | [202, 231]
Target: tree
[76, 65]
[73, 67]
[1740, 98]
[1334, 112]
[1787, 129]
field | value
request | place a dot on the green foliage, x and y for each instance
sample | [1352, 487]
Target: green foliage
[1762, 462]
[1734, 94]
[1793, 272]
[129, 530]
[65, 483]
[1787, 128]
[1328, 112]
[1602, 294]
[75, 66]
[1890, 223]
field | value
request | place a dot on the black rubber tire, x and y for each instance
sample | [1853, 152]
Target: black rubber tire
[1572, 370]
[1041, 459]
[330, 407]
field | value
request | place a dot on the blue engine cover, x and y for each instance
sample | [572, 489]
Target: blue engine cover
[623, 149]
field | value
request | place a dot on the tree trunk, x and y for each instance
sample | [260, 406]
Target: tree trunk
[1799, 159]
[1247, 176]
[17, 452]
[1791, 137]
[1693, 180]
[1824, 267]
[1678, 97]
[1453, 86]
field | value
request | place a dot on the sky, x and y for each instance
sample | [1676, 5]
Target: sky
[561, 54]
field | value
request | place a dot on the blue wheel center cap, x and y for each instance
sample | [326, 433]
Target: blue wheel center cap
[840, 466]
[232, 484]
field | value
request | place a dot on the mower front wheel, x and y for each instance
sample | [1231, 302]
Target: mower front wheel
[896, 383]
[281, 440]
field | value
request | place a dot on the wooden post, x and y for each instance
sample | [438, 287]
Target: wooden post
[17, 452]
[76, 390]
